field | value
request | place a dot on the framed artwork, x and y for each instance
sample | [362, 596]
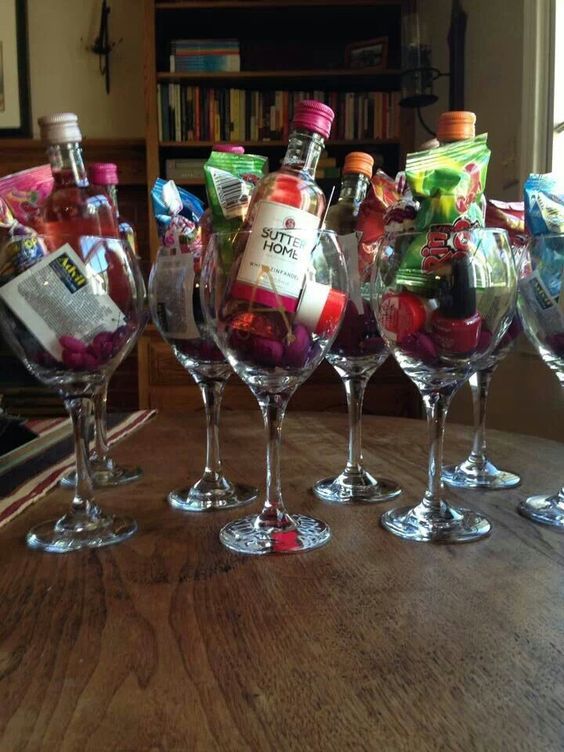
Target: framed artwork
[373, 53]
[14, 75]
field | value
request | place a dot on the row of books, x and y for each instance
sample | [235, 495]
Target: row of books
[192, 170]
[204, 55]
[195, 113]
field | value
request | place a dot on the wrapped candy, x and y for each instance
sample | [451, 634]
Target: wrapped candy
[177, 213]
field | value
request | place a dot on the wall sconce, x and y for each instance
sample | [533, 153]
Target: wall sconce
[102, 45]
[417, 73]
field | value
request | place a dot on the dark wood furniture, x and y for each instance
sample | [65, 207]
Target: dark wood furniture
[169, 642]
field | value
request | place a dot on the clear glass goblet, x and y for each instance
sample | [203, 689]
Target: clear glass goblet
[274, 314]
[174, 300]
[70, 314]
[541, 305]
[442, 305]
[477, 471]
[357, 352]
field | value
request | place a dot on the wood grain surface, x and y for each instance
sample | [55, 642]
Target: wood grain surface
[170, 642]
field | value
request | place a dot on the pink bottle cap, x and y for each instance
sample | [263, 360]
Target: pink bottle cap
[314, 116]
[229, 148]
[103, 173]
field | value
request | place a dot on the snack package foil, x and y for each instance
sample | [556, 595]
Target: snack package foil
[449, 182]
[177, 213]
[544, 204]
[25, 191]
[230, 181]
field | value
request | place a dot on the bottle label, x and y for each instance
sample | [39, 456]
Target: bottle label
[277, 255]
[60, 296]
[173, 296]
[349, 246]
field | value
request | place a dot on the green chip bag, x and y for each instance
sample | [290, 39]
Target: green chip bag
[448, 182]
[230, 180]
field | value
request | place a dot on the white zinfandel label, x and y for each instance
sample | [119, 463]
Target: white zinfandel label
[61, 296]
[279, 249]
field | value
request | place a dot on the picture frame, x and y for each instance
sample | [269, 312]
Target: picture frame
[15, 115]
[371, 53]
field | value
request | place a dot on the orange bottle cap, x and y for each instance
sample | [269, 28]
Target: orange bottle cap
[358, 161]
[456, 126]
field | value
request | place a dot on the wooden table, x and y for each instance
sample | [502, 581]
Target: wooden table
[170, 642]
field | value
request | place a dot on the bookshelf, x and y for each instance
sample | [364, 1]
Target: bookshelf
[285, 46]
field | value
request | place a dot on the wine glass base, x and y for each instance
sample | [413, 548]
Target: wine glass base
[547, 510]
[194, 499]
[244, 536]
[469, 475]
[454, 525]
[103, 478]
[356, 488]
[51, 536]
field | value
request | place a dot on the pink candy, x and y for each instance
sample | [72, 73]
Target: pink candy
[78, 356]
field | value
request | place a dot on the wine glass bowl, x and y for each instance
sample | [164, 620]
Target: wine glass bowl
[174, 301]
[274, 322]
[541, 306]
[443, 303]
[70, 312]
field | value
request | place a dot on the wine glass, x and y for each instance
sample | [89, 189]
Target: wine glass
[174, 300]
[442, 305]
[104, 470]
[357, 352]
[541, 305]
[477, 471]
[274, 312]
[69, 311]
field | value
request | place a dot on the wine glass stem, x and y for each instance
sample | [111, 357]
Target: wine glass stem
[273, 408]
[101, 448]
[480, 384]
[355, 386]
[212, 393]
[436, 406]
[79, 409]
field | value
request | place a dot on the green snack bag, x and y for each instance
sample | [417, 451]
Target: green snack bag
[449, 184]
[230, 180]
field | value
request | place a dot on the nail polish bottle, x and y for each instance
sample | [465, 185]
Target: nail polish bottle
[456, 324]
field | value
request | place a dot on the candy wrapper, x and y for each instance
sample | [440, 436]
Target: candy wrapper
[544, 204]
[230, 181]
[20, 246]
[25, 191]
[449, 182]
[385, 209]
[177, 213]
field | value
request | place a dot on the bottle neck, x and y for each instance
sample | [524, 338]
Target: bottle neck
[303, 152]
[67, 165]
[110, 189]
[354, 186]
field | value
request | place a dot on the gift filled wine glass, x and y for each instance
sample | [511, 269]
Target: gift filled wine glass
[273, 299]
[541, 305]
[70, 311]
[442, 311]
[174, 299]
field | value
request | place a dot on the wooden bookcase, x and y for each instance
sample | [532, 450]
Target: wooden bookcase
[295, 45]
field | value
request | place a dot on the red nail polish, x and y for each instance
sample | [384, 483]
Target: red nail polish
[456, 324]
